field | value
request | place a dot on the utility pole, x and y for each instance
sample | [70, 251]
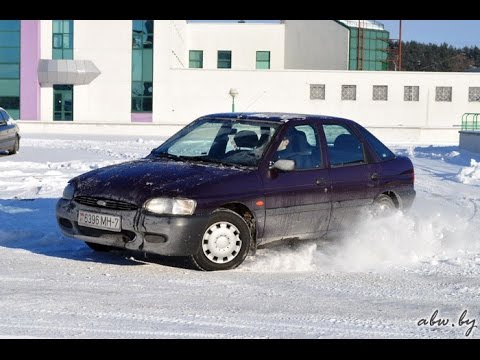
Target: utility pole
[400, 47]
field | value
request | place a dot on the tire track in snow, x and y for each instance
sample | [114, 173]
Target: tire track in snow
[262, 326]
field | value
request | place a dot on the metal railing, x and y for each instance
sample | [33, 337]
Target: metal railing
[470, 121]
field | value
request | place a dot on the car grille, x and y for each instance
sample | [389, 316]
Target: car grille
[104, 203]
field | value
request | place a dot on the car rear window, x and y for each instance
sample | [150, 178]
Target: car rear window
[383, 152]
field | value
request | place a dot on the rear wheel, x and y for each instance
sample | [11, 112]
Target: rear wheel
[225, 242]
[16, 146]
[383, 205]
[98, 247]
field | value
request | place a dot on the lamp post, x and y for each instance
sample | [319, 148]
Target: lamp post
[233, 92]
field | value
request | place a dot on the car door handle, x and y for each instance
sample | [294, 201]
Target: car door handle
[321, 181]
[374, 176]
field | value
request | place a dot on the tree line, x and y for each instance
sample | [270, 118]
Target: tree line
[431, 57]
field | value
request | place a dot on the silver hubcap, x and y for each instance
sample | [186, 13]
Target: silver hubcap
[221, 242]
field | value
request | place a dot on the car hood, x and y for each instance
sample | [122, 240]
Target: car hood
[140, 180]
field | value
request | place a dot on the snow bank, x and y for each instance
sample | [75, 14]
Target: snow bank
[470, 175]
[29, 180]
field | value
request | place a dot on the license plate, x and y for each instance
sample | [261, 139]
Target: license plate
[99, 221]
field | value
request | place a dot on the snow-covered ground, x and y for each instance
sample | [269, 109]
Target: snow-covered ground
[378, 282]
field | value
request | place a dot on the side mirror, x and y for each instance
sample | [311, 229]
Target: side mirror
[284, 165]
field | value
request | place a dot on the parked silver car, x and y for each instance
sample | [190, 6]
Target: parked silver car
[9, 133]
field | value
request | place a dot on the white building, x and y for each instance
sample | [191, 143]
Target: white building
[157, 76]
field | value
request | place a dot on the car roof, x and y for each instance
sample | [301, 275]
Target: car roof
[275, 117]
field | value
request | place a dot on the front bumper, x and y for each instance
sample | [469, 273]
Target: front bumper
[163, 235]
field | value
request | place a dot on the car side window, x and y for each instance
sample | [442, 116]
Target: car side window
[300, 144]
[343, 146]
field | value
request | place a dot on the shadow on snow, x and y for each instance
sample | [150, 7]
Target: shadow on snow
[30, 224]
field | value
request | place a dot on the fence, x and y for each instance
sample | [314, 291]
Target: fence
[470, 121]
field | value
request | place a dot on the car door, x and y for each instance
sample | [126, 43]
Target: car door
[380, 154]
[350, 175]
[297, 203]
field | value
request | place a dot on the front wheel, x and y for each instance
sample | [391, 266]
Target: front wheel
[225, 242]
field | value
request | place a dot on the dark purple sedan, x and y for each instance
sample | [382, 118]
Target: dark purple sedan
[227, 183]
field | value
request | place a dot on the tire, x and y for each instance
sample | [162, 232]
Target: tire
[225, 242]
[98, 247]
[16, 146]
[383, 205]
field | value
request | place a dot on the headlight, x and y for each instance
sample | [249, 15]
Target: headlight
[68, 192]
[171, 206]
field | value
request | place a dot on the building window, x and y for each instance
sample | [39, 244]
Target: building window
[380, 93]
[142, 34]
[473, 94]
[195, 59]
[263, 59]
[63, 102]
[411, 93]
[349, 92]
[317, 92]
[10, 66]
[62, 39]
[142, 65]
[224, 59]
[443, 93]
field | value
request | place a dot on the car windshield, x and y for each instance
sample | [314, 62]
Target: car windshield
[216, 140]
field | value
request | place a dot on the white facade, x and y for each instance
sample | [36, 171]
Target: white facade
[107, 43]
[316, 45]
[243, 39]
[426, 120]
[179, 48]
[181, 94]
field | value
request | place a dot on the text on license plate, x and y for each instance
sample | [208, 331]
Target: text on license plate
[99, 221]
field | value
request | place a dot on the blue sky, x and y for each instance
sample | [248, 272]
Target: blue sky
[458, 33]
